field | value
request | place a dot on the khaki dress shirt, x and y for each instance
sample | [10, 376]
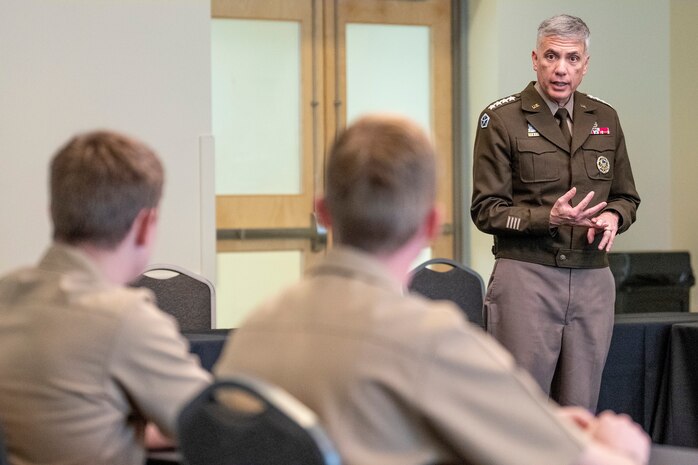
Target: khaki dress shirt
[397, 379]
[84, 364]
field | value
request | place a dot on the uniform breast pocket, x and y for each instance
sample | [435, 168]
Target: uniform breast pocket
[538, 160]
[599, 157]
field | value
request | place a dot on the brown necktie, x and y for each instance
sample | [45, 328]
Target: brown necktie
[561, 114]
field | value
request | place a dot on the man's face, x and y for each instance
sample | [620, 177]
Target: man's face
[560, 65]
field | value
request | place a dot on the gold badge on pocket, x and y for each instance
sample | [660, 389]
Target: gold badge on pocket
[603, 164]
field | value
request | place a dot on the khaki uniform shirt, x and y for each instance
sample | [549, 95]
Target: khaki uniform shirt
[397, 379]
[522, 165]
[84, 364]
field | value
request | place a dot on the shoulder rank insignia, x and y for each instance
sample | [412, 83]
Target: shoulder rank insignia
[599, 100]
[504, 101]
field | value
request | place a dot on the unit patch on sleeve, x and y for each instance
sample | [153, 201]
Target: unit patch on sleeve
[484, 121]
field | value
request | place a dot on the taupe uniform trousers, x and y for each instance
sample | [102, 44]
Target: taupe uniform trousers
[557, 322]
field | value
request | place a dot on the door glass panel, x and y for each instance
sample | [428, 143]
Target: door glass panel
[387, 69]
[255, 86]
[246, 279]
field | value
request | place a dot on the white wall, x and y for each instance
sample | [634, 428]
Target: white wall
[629, 68]
[684, 117]
[142, 67]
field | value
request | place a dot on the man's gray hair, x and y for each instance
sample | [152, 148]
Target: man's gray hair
[565, 26]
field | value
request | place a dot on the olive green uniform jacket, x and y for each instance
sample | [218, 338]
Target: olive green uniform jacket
[522, 165]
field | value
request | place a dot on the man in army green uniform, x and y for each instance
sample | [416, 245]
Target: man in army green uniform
[552, 182]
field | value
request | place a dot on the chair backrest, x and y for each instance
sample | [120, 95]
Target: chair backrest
[189, 297]
[461, 285]
[280, 430]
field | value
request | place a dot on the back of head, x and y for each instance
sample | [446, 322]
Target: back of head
[100, 181]
[565, 26]
[381, 183]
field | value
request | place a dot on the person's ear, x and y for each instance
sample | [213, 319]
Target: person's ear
[144, 225]
[433, 222]
[534, 60]
[323, 214]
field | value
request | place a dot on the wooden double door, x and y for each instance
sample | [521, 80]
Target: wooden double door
[287, 75]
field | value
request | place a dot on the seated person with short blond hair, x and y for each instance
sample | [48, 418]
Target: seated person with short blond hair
[86, 362]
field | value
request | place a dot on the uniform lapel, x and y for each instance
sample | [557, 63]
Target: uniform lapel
[539, 116]
[584, 119]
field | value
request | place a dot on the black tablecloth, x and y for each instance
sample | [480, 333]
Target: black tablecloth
[677, 414]
[636, 362]
[207, 344]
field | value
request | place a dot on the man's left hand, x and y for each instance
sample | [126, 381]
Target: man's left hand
[606, 222]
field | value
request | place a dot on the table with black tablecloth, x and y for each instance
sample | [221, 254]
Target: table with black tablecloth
[207, 344]
[677, 412]
[651, 373]
[636, 363]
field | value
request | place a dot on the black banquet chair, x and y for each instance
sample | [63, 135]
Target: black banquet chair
[267, 426]
[460, 284]
[187, 296]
